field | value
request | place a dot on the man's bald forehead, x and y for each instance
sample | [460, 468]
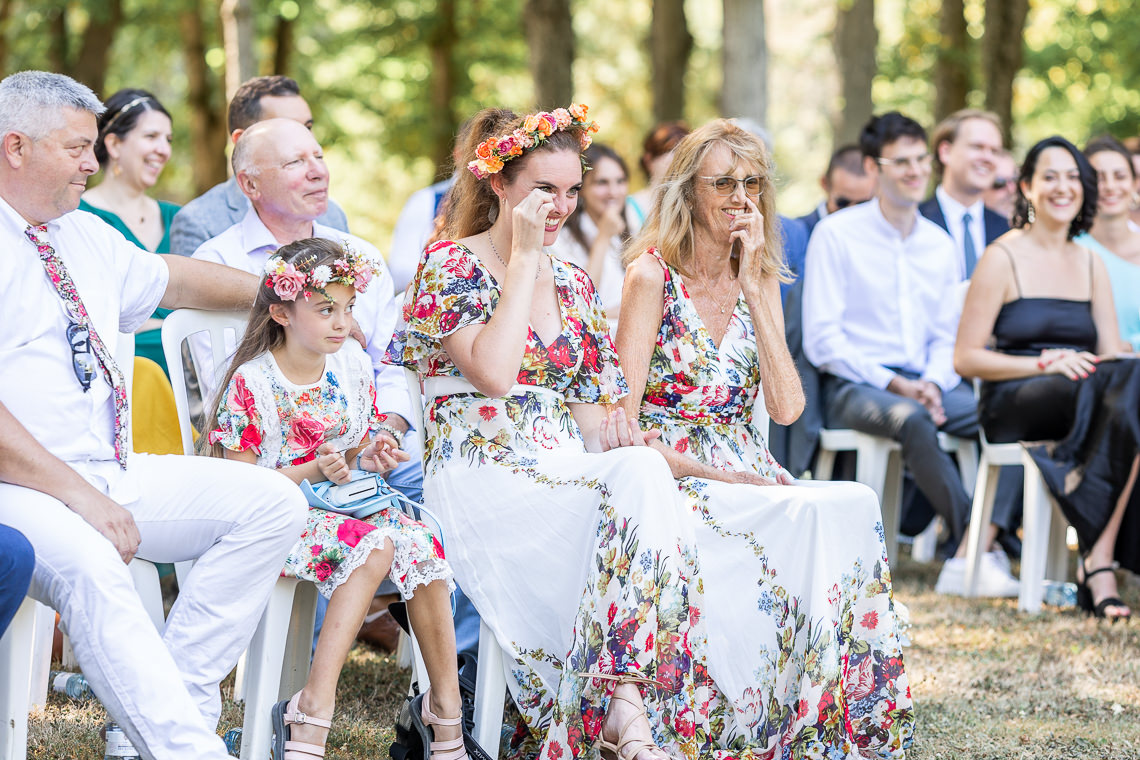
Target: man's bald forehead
[262, 142]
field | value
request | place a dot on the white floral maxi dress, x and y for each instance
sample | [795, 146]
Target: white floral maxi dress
[575, 560]
[803, 642]
[284, 424]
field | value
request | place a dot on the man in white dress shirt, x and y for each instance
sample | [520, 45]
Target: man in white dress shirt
[879, 320]
[68, 484]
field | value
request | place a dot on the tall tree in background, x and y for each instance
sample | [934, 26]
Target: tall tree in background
[283, 31]
[670, 44]
[441, 43]
[745, 90]
[952, 68]
[855, 41]
[550, 38]
[238, 39]
[89, 64]
[1002, 55]
[208, 133]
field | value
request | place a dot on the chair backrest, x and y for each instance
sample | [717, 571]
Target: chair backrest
[176, 328]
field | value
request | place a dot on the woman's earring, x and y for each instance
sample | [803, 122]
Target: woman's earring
[1135, 201]
[116, 169]
[1030, 214]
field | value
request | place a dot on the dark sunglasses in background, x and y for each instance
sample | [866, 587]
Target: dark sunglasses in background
[82, 358]
[1001, 183]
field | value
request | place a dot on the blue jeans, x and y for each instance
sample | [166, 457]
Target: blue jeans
[408, 479]
[17, 561]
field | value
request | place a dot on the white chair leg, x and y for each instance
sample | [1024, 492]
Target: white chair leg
[263, 670]
[16, 683]
[299, 640]
[981, 513]
[824, 465]
[404, 651]
[419, 668]
[1057, 562]
[892, 502]
[490, 692]
[42, 638]
[925, 544]
[145, 577]
[968, 464]
[1037, 511]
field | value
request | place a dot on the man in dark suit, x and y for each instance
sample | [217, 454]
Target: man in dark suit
[845, 182]
[967, 145]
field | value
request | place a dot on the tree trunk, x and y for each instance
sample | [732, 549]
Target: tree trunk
[550, 38]
[5, 16]
[856, 38]
[282, 45]
[237, 39]
[444, 74]
[207, 124]
[952, 69]
[91, 66]
[1002, 51]
[669, 45]
[745, 92]
[57, 44]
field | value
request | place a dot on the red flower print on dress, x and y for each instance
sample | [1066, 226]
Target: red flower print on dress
[305, 434]
[324, 569]
[316, 549]
[862, 681]
[425, 306]
[559, 353]
[488, 412]
[251, 438]
[351, 531]
[241, 400]
[870, 621]
[448, 321]
[682, 445]
[462, 267]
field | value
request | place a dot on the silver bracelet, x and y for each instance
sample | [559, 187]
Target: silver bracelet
[392, 431]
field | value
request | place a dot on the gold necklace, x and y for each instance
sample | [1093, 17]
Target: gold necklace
[495, 251]
[715, 300]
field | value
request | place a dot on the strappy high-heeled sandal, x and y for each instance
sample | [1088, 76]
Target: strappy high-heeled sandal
[1085, 596]
[449, 749]
[616, 750]
[286, 713]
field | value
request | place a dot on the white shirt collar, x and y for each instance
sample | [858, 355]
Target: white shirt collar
[955, 210]
[255, 236]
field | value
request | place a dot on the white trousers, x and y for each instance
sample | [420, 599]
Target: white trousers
[237, 520]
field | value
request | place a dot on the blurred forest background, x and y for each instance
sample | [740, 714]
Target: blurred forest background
[389, 81]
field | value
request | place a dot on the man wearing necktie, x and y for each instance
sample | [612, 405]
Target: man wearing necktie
[69, 284]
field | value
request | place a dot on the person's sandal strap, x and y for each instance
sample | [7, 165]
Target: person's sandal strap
[1098, 571]
[1110, 601]
[624, 678]
[298, 718]
[451, 749]
[313, 750]
[432, 719]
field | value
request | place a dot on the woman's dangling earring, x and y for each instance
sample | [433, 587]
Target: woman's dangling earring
[1030, 214]
[116, 168]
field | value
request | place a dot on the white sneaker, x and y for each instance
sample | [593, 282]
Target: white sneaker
[994, 578]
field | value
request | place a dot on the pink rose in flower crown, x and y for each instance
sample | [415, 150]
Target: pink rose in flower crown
[506, 146]
[561, 117]
[288, 283]
[305, 434]
[547, 124]
[362, 275]
[523, 139]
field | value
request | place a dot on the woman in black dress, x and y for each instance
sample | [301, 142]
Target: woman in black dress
[1039, 328]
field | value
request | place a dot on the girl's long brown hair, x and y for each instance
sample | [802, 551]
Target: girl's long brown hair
[263, 333]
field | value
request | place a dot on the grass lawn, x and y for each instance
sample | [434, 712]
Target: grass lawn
[988, 683]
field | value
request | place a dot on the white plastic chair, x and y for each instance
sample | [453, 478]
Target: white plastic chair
[878, 464]
[25, 649]
[276, 664]
[1044, 551]
[492, 673]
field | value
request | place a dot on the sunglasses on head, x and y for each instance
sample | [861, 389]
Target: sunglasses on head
[82, 358]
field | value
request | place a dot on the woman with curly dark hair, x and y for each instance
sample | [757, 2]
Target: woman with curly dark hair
[1039, 328]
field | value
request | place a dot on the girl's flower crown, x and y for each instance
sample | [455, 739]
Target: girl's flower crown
[288, 280]
[493, 152]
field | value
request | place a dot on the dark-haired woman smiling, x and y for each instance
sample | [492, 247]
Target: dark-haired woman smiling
[1053, 374]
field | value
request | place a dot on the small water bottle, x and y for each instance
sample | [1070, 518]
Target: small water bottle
[232, 739]
[119, 747]
[1060, 594]
[74, 685]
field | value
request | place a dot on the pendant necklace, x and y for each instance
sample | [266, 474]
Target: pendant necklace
[495, 251]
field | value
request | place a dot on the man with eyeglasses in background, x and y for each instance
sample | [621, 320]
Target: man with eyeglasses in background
[879, 322]
[966, 147]
[845, 182]
[1002, 193]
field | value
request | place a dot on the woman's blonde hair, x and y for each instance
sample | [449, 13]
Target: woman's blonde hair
[473, 205]
[669, 226]
[263, 333]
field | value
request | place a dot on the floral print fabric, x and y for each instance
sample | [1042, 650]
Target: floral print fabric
[284, 424]
[804, 650]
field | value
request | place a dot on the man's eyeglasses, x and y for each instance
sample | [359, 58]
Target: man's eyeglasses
[1001, 183]
[82, 358]
[842, 201]
[919, 162]
[727, 185]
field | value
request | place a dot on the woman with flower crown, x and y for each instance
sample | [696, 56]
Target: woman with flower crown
[299, 397]
[562, 531]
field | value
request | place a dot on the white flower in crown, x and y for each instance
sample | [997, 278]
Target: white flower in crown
[320, 276]
[274, 265]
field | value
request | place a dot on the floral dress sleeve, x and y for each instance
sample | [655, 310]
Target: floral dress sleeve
[451, 291]
[239, 423]
[599, 379]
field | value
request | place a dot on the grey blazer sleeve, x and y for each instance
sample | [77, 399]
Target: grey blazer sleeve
[187, 233]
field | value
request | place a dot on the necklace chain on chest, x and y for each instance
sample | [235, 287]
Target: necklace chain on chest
[495, 251]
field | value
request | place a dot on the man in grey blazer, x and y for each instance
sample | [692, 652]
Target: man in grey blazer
[224, 205]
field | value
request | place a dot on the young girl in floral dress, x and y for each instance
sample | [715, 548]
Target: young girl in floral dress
[299, 397]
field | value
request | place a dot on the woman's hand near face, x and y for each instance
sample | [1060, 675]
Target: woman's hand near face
[748, 228]
[528, 221]
[612, 220]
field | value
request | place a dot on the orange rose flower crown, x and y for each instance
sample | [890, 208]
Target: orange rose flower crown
[494, 152]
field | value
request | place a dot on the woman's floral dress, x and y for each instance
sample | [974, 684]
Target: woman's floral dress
[284, 424]
[577, 561]
[803, 642]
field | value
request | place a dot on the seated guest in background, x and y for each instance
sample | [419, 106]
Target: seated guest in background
[17, 560]
[1133, 145]
[70, 485]
[208, 215]
[845, 183]
[1111, 236]
[656, 153]
[966, 145]
[701, 331]
[876, 321]
[132, 150]
[595, 234]
[1045, 305]
[1002, 194]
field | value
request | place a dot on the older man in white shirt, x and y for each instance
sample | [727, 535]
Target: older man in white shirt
[68, 286]
[879, 319]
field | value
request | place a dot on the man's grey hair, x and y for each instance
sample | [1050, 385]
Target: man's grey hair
[242, 158]
[32, 102]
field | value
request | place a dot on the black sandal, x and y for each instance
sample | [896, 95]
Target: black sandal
[1085, 596]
